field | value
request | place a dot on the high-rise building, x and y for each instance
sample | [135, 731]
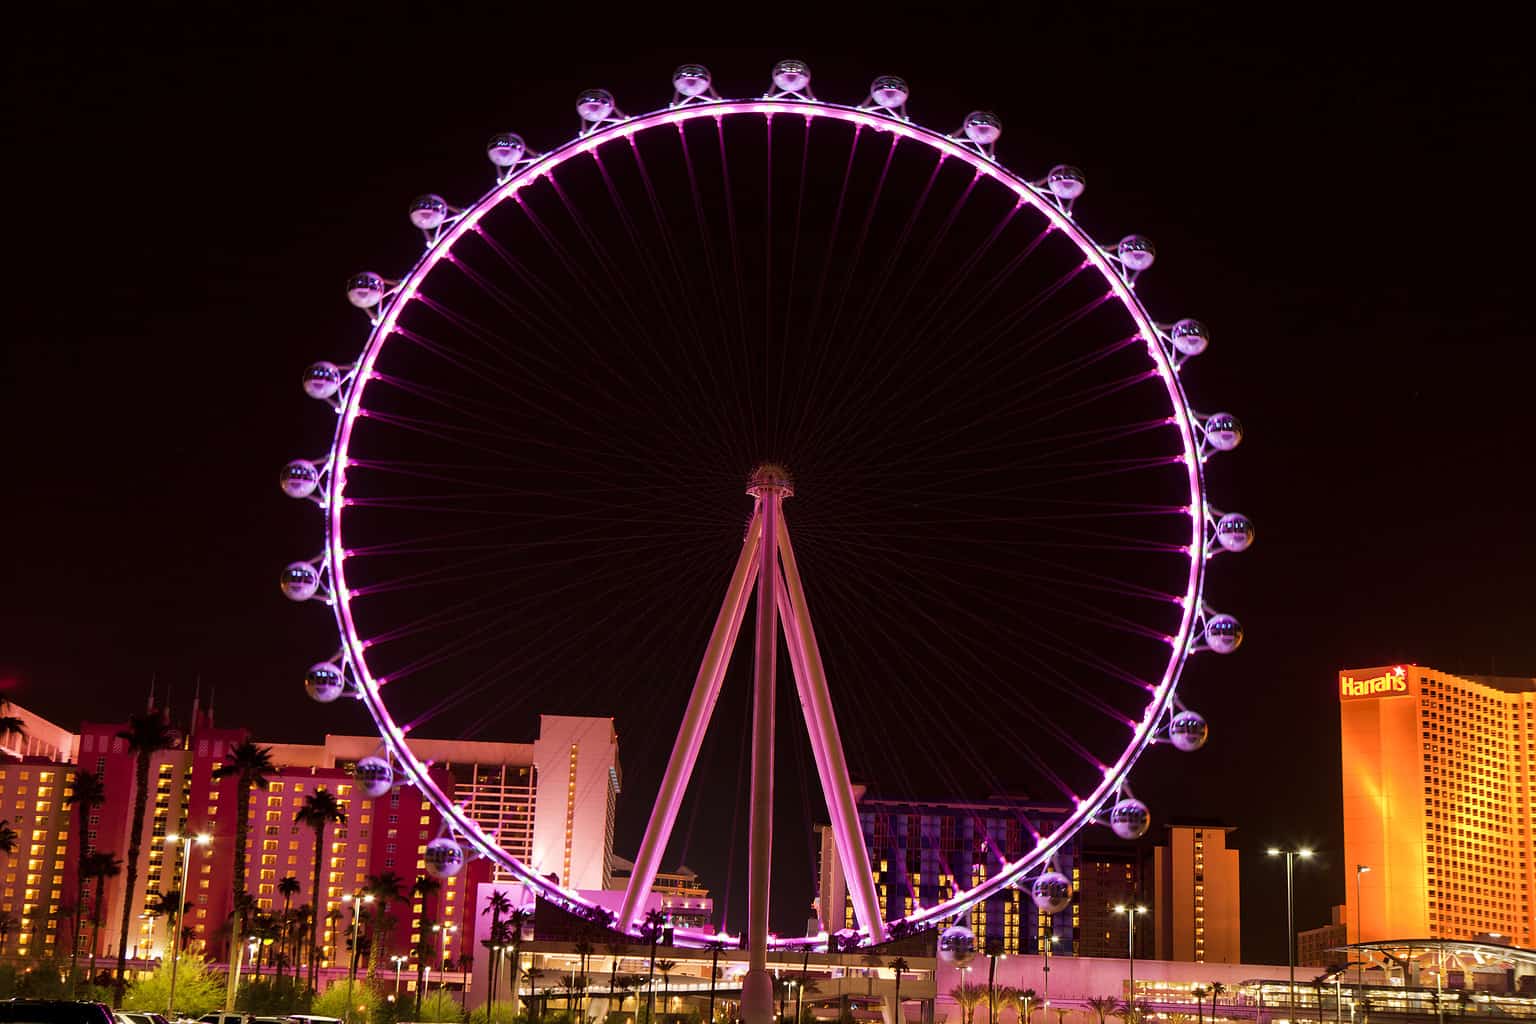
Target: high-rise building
[1109, 874]
[1195, 895]
[40, 875]
[1439, 772]
[923, 852]
[564, 828]
[1323, 947]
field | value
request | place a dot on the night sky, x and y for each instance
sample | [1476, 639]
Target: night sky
[1345, 205]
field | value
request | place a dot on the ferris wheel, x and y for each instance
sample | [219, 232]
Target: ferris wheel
[768, 286]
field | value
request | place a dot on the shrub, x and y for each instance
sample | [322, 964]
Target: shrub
[198, 989]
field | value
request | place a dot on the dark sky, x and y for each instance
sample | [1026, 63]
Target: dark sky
[1346, 204]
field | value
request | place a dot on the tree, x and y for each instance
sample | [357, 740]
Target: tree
[288, 888]
[715, 946]
[100, 866]
[1026, 1004]
[1200, 992]
[11, 725]
[1217, 988]
[584, 949]
[198, 989]
[85, 794]
[424, 951]
[7, 925]
[516, 921]
[899, 965]
[651, 926]
[665, 967]
[249, 765]
[384, 889]
[1131, 1012]
[967, 997]
[147, 735]
[1103, 1006]
[320, 810]
[497, 905]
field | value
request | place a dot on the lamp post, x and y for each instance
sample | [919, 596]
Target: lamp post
[1130, 949]
[1360, 869]
[356, 903]
[399, 960]
[1045, 973]
[201, 839]
[442, 956]
[1290, 913]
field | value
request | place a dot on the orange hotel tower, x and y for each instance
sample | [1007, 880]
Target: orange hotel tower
[1439, 778]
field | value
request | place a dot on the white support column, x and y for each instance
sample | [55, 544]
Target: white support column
[690, 736]
[757, 986]
[837, 786]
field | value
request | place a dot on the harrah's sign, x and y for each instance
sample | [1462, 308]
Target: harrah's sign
[1387, 684]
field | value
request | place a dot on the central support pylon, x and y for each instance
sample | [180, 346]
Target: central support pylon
[768, 560]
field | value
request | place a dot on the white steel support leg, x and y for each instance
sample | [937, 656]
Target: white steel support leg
[831, 916]
[838, 788]
[690, 736]
[757, 986]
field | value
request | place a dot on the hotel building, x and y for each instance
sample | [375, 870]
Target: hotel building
[1195, 896]
[923, 852]
[564, 827]
[1439, 771]
[40, 875]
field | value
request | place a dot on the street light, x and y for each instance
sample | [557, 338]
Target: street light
[1290, 912]
[1045, 972]
[1130, 948]
[1360, 869]
[356, 903]
[442, 956]
[399, 961]
[201, 839]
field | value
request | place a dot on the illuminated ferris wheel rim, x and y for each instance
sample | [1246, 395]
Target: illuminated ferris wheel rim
[603, 124]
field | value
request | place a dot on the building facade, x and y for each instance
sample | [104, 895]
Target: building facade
[1321, 947]
[923, 852]
[1109, 874]
[383, 836]
[1438, 775]
[1195, 898]
[38, 898]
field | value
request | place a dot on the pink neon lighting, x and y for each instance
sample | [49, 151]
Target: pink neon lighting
[351, 410]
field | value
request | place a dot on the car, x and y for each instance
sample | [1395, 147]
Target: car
[304, 1018]
[140, 1017]
[54, 1011]
[224, 1018]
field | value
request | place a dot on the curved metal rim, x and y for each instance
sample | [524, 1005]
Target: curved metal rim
[353, 645]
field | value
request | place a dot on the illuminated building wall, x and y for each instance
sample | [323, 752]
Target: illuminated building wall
[1438, 778]
[40, 875]
[1195, 896]
[1111, 873]
[924, 852]
[1321, 947]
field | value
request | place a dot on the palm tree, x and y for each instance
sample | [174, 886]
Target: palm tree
[1009, 998]
[164, 904]
[85, 794]
[288, 888]
[665, 967]
[516, 921]
[583, 949]
[715, 946]
[651, 927]
[1103, 1006]
[10, 725]
[249, 765]
[100, 866]
[147, 735]
[1200, 992]
[967, 997]
[384, 888]
[7, 925]
[1217, 988]
[899, 965]
[1026, 1003]
[320, 810]
[498, 903]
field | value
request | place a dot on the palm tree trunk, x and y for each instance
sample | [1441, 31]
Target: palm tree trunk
[314, 932]
[101, 887]
[131, 870]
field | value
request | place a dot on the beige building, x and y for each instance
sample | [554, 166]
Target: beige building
[1321, 947]
[1438, 777]
[1195, 896]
